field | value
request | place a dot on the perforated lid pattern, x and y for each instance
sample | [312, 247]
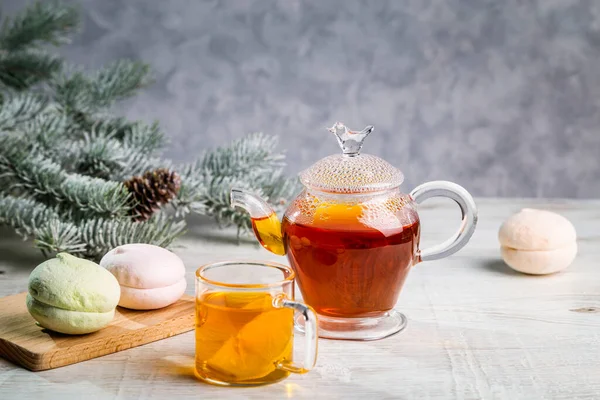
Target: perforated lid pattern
[362, 173]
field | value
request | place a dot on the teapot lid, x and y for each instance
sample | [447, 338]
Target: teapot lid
[351, 172]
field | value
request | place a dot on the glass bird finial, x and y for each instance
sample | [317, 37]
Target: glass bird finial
[350, 141]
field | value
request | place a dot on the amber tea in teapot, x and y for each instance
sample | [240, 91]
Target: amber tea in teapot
[352, 236]
[336, 249]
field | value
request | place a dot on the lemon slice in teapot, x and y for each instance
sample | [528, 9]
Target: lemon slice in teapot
[328, 214]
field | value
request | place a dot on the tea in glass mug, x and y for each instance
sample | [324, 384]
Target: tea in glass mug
[245, 324]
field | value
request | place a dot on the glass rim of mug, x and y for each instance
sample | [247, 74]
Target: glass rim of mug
[288, 272]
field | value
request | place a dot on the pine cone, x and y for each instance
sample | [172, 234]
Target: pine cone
[151, 191]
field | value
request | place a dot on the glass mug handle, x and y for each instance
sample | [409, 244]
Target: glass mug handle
[310, 335]
[469, 217]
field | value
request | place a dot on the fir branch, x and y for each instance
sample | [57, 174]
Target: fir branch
[100, 153]
[216, 202]
[88, 194]
[91, 237]
[144, 137]
[23, 69]
[102, 235]
[42, 22]
[46, 133]
[250, 163]
[58, 236]
[45, 179]
[24, 215]
[17, 109]
[97, 154]
[30, 218]
[135, 134]
[255, 152]
[279, 189]
[73, 91]
[210, 195]
[119, 81]
[137, 163]
[82, 96]
[215, 198]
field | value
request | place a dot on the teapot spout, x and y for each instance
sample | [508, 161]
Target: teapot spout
[265, 223]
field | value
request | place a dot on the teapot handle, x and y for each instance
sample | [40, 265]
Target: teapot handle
[469, 217]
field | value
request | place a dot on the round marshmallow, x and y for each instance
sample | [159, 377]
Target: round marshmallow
[532, 229]
[539, 262]
[537, 242]
[150, 277]
[73, 296]
[67, 321]
[151, 299]
[143, 266]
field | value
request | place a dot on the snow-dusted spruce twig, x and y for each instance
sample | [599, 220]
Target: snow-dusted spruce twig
[88, 237]
[250, 163]
[23, 61]
[30, 172]
[64, 157]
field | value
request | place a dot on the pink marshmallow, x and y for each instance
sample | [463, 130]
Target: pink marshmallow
[150, 277]
[151, 299]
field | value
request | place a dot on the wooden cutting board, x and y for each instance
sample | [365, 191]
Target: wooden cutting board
[37, 349]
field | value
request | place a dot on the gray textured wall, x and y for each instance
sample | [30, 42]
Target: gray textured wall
[502, 97]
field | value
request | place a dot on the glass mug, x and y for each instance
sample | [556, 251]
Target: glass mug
[245, 324]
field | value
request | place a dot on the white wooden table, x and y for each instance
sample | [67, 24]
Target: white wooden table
[476, 328]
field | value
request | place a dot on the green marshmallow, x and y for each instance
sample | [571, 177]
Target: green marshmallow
[75, 284]
[65, 321]
[71, 295]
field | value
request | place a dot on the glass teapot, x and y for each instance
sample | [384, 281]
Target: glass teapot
[351, 236]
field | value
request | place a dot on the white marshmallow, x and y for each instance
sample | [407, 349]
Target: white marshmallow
[539, 262]
[537, 242]
[143, 266]
[151, 299]
[150, 277]
[532, 229]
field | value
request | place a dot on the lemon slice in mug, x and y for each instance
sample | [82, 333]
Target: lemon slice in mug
[257, 347]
